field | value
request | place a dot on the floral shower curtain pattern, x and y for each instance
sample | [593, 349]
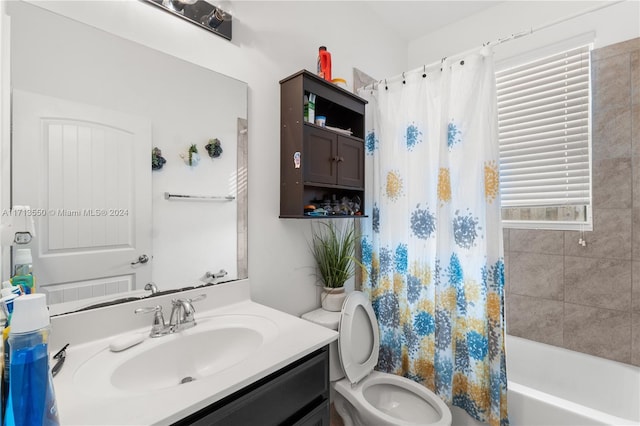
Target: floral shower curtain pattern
[432, 246]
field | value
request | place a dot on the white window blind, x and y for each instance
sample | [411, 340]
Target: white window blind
[543, 116]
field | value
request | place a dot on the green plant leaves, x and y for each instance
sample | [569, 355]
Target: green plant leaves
[333, 248]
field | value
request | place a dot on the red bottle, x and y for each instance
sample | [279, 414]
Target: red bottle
[324, 63]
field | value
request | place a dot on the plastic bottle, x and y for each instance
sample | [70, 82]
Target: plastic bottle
[31, 400]
[324, 63]
[5, 369]
[311, 108]
[23, 271]
[6, 304]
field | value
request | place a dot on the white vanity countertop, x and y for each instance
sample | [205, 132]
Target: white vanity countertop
[78, 405]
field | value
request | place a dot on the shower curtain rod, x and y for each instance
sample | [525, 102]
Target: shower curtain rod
[494, 43]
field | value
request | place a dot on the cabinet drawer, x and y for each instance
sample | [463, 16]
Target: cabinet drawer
[285, 397]
[318, 417]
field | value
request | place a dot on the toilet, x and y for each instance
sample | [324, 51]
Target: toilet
[364, 397]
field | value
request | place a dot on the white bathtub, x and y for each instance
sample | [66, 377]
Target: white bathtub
[550, 386]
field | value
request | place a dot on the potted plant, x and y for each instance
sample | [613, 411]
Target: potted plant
[333, 249]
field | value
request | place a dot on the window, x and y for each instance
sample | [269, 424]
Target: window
[544, 132]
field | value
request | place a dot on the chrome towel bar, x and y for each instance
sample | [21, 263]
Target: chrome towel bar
[168, 196]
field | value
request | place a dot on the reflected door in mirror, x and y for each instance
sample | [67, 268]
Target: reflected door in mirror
[84, 171]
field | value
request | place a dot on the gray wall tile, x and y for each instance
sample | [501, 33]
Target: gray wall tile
[636, 182]
[610, 238]
[635, 235]
[635, 77]
[505, 239]
[535, 319]
[612, 79]
[635, 133]
[603, 283]
[626, 46]
[597, 331]
[611, 180]
[635, 338]
[611, 137]
[537, 275]
[507, 280]
[635, 286]
[536, 241]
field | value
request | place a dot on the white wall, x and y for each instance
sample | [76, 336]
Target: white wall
[271, 40]
[275, 39]
[617, 22]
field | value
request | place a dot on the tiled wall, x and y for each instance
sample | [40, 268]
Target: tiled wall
[588, 298]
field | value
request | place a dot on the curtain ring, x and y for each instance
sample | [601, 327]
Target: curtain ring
[404, 81]
[424, 71]
[385, 85]
[461, 62]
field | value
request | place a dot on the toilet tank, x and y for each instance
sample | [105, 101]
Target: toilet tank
[330, 320]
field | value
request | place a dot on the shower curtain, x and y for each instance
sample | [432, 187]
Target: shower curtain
[432, 246]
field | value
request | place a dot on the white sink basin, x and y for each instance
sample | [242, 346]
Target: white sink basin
[215, 344]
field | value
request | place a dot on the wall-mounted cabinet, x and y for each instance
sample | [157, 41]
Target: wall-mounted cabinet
[320, 166]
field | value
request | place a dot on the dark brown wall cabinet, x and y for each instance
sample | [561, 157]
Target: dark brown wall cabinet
[319, 163]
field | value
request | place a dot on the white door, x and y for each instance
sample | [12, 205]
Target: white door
[85, 172]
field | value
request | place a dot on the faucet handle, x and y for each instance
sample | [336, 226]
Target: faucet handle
[148, 310]
[158, 327]
[197, 298]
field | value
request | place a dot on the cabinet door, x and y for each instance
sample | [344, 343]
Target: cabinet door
[350, 162]
[320, 155]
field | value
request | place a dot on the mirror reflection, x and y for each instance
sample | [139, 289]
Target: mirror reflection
[91, 114]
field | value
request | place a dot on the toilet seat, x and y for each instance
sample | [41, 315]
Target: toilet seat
[359, 338]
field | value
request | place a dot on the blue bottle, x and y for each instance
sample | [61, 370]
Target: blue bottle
[31, 400]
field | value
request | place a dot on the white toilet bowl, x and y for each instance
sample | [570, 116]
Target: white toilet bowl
[383, 399]
[370, 398]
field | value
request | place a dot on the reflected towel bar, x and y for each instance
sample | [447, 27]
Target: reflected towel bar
[168, 196]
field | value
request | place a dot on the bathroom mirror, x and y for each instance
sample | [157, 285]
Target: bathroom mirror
[88, 107]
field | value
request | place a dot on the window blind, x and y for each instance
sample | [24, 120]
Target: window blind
[543, 123]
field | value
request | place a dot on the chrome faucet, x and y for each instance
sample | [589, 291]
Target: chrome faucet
[182, 316]
[151, 286]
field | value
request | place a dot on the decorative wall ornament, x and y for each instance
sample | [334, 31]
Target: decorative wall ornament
[157, 160]
[214, 148]
[192, 158]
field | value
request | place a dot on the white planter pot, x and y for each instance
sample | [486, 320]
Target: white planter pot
[332, 298]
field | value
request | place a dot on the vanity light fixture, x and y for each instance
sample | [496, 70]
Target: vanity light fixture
[208, 14]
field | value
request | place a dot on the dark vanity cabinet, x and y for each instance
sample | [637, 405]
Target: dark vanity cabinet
[319, 163]
[296, 395]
